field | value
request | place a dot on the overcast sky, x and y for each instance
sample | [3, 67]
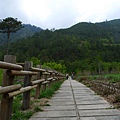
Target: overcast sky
[59, 13]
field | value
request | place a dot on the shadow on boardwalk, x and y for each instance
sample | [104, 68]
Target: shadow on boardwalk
[74, 101]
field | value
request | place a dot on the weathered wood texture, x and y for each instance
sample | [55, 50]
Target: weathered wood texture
[42, 77]
[6, 103]
[27, 82]
[9, 88]
[11, 66]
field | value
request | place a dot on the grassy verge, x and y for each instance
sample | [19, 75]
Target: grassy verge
[50, 91]
[110, 95]
[112, 78]
[36, 104]
[18, 114]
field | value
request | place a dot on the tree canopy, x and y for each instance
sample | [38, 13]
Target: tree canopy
[9, 25]
[90, 47]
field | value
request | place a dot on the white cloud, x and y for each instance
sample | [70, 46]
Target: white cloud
[35, 9]
[59, 13]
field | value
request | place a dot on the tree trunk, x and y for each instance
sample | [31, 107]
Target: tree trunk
[8, 41]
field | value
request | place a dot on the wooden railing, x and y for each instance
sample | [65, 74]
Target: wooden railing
[8, 89]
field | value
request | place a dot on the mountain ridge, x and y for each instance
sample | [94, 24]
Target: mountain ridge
[27, 31]
[84, 46]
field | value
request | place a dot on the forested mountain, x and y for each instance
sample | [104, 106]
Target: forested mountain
[91, 47]
[113, 27]
[27, 31]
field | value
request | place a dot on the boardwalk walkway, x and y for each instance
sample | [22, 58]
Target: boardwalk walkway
[74, 101]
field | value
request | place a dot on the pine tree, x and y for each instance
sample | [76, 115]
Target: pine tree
[9, 25]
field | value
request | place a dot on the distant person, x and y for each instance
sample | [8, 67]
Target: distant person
[67, 76]
[72, 75]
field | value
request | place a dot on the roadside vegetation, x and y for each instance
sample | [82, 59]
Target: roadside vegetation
[50, 91]
[112, 78]
[36, 104]
[107, 86]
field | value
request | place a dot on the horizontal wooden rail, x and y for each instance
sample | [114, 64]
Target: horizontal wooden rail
[53, 79]
[20, 73]
[49, 79]
[42, 79]
[45, 82]
[50, 71]
[22, 64]
[10, 66]
[37, 69]
[56, 78]
[37, 81]
[9, 88]
[46, 73]
[22, 90]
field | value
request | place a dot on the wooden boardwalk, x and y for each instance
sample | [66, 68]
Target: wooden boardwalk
[75, 101]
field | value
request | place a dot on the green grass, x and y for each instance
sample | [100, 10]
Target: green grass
[37, 109]
[112, 78]
[18, 114]
[21, 115]
[50, 91]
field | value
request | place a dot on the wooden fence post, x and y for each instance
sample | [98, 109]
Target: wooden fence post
[27, 82]
[50, 82]
[39, 76]
[45, 86]
[6, 103]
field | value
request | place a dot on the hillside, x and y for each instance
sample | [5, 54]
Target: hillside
[27, 31]
[86, 30]
[113, 27]
[84, 46]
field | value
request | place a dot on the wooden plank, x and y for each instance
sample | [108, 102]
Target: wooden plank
[6, 104]
[9, 88]
[20, 73]
[27, 82]
[45, 82]
[22, 90]
[49, 79]
[46, 73]
[39, 76]
[37, 81]
[37, 69]
[6, 65]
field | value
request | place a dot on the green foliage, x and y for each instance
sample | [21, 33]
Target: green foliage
[111, 78]
[35, 61]
[56, 66]
[37, 109]
[117, 98]
[50, 91]
[22, 116]
[17, 103]
[28, 31]
[86, 47]
[18, 114]
[9, 25]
